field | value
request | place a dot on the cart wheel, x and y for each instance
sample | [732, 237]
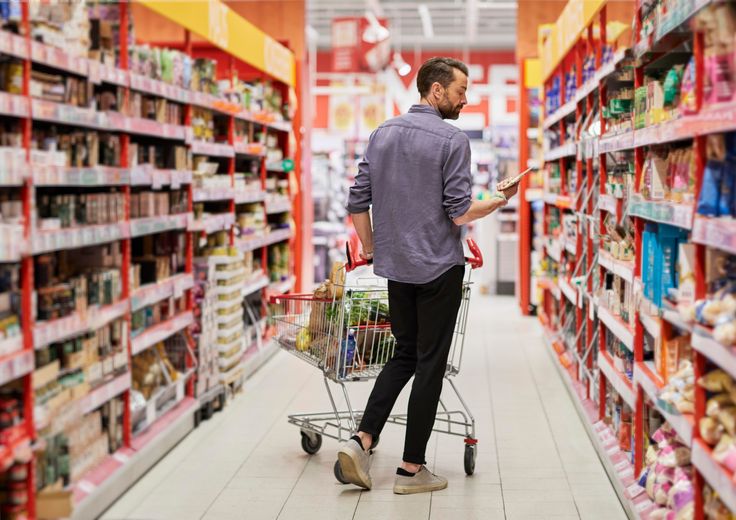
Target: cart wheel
[469, 459]
[311, 442]
[338, 473]
[197, 418]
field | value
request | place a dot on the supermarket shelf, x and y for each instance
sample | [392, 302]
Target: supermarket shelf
[588, 88]
[213, 223]
[568, 290]
[254, 357]
[616, 143]
[275, 166]
[651, 324]
[212, 149]
[158, 88]
[278, 205]
[722, 355]
[554, 250]
[108, 74]
[618, 267]
[619, 469]
[14, 251]
[683, 424]
[716, 475]
[145, 175]
[249, 196]
[105, 393]
[58, 59]
[560, 114]
[12, 105]
[67, 114]
[151, 225]
[155, 292]
[250, 149]
[719, 233]
[281, 126]
[561, 201]
[229, 274]
[209, 194]
[84, 177]
[672, 316]
[278, 288]
[16, 365]
[534, 164]
[608, 203]
[571, 246]
[13, 44]
[619, 381]
[618, 327]
[52, 331]
[74, 238]
[533, 194]
[549, 285]
[680, 215]
[13, 177]
[661, 32]
[149, 127]
[255, 285]
[561, 152]
[274, 237]
[610, 67]
[11, 345]
[101, 486]
[161, 332]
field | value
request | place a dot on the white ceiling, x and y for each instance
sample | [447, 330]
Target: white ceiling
[457, 24]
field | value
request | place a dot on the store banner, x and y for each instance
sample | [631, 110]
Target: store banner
[353, 46]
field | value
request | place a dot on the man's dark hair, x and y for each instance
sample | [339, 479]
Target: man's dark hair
[440, 70]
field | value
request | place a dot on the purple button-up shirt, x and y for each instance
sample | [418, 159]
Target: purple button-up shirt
[416, 175]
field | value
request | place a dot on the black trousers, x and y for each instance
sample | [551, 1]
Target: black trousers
[422, 321]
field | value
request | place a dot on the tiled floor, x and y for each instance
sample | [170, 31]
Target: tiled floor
[534, 459]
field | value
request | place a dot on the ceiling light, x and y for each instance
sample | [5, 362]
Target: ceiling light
[426, 18]
[375, 32]
[402, 67]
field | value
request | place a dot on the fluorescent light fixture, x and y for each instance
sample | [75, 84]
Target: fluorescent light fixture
[426, 18]
[375, 32]
[402, 67]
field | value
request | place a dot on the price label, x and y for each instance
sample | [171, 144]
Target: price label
[157, 180]
[613, 450]
[634, 490]
[178, 288]
[621, 466]
[86, 486]
[176, 177]
[179, 390]
[121, 457]
[643, 506]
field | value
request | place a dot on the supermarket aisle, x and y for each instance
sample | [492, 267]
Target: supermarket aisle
[534, 459]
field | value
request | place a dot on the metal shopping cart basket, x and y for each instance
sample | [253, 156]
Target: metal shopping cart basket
[344, 330]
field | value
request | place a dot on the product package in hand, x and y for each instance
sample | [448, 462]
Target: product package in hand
[510, 182]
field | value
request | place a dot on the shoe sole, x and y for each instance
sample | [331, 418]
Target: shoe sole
[352, 471]
[427, 488]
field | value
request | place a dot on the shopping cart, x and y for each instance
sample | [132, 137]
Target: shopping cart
[344, 330]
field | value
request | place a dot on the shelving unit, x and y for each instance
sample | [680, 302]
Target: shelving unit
[609, 352]
[135, 320]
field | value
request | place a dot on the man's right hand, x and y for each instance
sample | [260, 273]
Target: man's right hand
[510, 192]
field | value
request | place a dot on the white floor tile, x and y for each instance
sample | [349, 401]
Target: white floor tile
[534, 459]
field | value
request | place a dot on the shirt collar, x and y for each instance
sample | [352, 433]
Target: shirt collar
[425, 109]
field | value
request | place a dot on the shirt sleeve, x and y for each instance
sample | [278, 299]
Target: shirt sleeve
[360, 197]
[456, 177]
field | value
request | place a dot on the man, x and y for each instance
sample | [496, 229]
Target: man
[416, 175]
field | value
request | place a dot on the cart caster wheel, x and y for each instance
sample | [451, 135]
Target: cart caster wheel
[221, 401]
[338, 473]
[197, 418]
[311, 442]
[208, 411]
[470, 454]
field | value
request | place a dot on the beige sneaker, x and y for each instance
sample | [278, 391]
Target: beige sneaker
[423, 482]
[355, 464]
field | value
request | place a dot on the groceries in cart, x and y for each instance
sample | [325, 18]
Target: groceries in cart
[342, 329]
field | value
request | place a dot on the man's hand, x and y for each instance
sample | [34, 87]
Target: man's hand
[367, 256]
[510, 192]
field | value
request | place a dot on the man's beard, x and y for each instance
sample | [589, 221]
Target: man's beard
[450, 112]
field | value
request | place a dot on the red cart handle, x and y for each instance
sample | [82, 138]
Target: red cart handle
[475, 261]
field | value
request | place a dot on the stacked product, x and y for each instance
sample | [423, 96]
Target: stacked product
[229, 274]
[668, 476]
[718, 427]
[205, 329]
[718, 194]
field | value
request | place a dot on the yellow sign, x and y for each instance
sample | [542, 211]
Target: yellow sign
[220, 25]
[532, 73]
[574, 19]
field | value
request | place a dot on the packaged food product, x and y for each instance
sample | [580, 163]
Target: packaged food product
[710, 192]
[716, 381]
